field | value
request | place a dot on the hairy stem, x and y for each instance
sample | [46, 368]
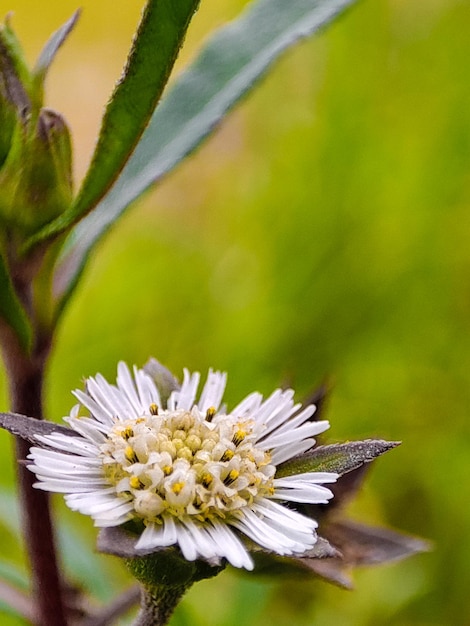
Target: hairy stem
[26, 377]
[158, 603]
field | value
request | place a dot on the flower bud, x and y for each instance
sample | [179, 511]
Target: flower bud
[36, 177]
[35, 147]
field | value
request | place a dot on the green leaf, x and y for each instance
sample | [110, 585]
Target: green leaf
[153, 54]
[339, 458]
[227, 68]
[11, 309]
[16, 75]
[15, 103]
[52, 46]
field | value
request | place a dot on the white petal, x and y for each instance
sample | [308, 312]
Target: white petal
[158, 536]
[299, 419]
[248, 406]
[288, 436]
[44, 456]
[267, 535]
[230, 546]
[204, 545]
[61, 485]
[282, 412]
[284, 453]
[184, 398]
[100, 413]
[186, 543]
[88, 428]
[101, 391]
[288, 517]
[67, 471]
[70, 444]
[308, 477]
[213, 391]
[299, 528]
[269, 405]
[147, 390]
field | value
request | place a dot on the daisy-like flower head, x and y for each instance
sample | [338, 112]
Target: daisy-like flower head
[188, 472]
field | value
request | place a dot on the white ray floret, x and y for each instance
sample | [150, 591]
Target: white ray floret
[191, 474]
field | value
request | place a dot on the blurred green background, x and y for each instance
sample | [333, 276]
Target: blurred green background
[323, 232]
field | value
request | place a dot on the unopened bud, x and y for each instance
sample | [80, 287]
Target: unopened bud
[35, 146]
[36, 177]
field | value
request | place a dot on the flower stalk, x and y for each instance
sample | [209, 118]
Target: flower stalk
[158, 604]
[26, 377]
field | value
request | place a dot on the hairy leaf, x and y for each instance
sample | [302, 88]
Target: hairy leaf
[28, 427]
[339, 458]
[230, 64]
[159, 37]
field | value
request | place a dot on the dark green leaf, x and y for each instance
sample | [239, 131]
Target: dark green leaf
[52, 46]
[339, 458]
[153, 54]
[11, 309]
[226, 69]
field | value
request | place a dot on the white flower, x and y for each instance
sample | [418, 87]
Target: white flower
[190, 473]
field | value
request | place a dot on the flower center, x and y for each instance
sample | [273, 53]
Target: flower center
[186, 464]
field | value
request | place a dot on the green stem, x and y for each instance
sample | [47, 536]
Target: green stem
[158, 603]
[26, 377]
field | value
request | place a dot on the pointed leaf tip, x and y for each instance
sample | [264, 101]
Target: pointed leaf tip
[156, 45]
[368, 545]
[229, 65]
[338, 458]
[28, 427]
[52, 46]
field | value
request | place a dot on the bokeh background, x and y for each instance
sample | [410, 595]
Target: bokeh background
[321, 234]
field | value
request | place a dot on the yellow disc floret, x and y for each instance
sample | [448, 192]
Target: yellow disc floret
[188, 464]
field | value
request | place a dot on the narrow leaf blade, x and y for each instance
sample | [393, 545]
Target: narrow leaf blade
[52, 46]
[153, 54]
[28, 427]
[233, 60]
[339, 458]
[368, 545]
